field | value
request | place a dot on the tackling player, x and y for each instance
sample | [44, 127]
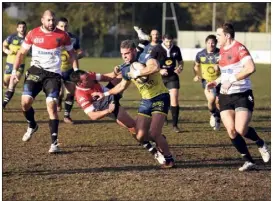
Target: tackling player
[44, 74]
[206, 70]
[86, 84]
[11, 46]
[67, 69]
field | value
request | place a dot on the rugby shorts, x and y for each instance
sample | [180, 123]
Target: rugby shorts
[38, 79]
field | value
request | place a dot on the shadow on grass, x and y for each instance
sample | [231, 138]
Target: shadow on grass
[224, 163]
[89, 148]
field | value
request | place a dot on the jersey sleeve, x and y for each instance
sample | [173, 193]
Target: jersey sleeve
[67, 42]
[244, 54]
[9, 39]
[124, 72]
[84, 102]
[154, 53]
[28, 41]
[197, 58]
[179, 55]
[76, 45]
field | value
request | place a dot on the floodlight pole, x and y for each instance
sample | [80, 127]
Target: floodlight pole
[164, 18]
[213, 16]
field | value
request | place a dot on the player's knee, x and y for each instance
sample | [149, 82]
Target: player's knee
[26, 103]
[242, 130]
[231, 132]
[52, 106]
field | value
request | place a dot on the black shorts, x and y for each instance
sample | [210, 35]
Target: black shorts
[172, 81]
[38, 79]
[236, 101]
[103, 104]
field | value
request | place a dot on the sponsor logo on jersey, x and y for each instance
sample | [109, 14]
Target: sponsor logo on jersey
[168, 62]
[242, 48]
[38, 40]
[81, 99]
[15, 42]
[202, 59]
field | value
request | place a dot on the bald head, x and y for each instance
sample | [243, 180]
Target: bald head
[48, 20]
[155, 35]
[48, 13]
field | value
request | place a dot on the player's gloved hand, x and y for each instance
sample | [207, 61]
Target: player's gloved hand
[197, 78]
[75, 69]
[111, 107]
[97, 95]
[163, 72]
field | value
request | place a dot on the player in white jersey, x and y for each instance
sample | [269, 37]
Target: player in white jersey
[44, 74]
[236, 99]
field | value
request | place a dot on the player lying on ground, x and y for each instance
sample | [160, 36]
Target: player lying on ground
[86, 84]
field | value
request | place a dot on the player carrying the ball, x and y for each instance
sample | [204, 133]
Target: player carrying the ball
[155, 101]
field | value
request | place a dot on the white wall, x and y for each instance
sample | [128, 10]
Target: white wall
[253, 41]
[258, 56]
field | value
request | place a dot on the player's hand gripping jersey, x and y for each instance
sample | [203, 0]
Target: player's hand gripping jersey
[46, 48]
[153, 87]
[207, 62]
[231, 62]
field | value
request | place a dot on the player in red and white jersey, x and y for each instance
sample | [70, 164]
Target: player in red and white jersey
[44, 74]
[86, 84]
[236, 99]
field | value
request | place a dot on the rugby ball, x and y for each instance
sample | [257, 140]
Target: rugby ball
[138, 66]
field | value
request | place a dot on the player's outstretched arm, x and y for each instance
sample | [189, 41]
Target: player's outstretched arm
[74, 61]
[117, 89]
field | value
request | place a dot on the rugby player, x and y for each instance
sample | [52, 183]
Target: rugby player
[236, 99]
[44, 74]
[206, 70]
[86, 84]
[155, 101]
[67, 69]
[171, 64]
[11, 46]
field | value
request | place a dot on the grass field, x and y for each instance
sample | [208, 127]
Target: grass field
[101, 161]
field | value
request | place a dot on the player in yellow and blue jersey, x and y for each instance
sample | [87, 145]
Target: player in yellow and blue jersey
[10, 46]
[155, 101]
[66, 69]
[206, 70]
